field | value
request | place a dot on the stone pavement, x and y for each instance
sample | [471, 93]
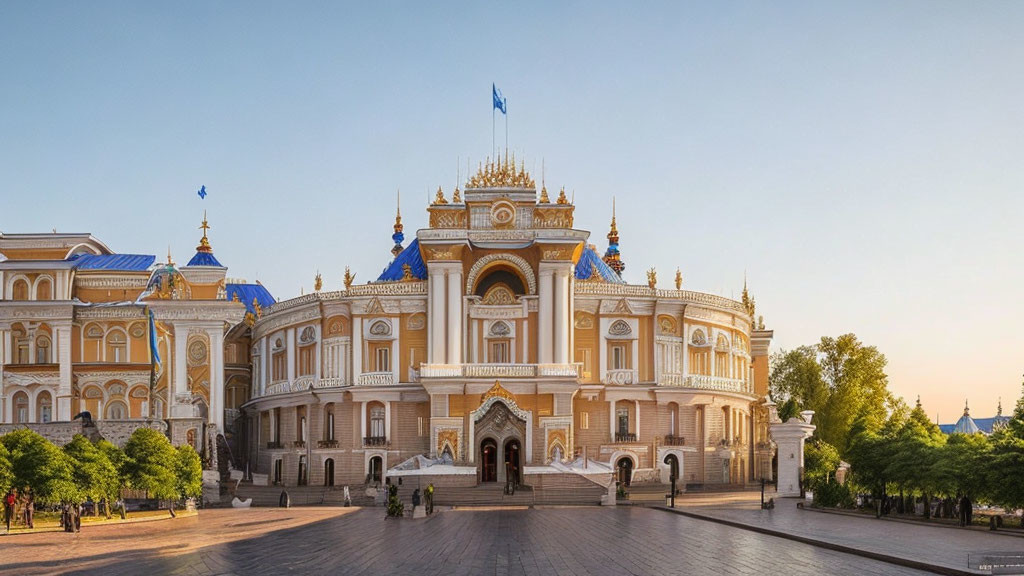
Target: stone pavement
[941, 547]
[548, 541]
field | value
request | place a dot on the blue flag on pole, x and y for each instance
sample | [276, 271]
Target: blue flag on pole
[499, 102]
[152, 340]
[202, 192]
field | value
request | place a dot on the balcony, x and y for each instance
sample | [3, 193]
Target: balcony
[503, 370]
[375, 441]
[299, 444]
[672, 440]
[621, 438]
[716, 383]
[327, 444]
[618, 377]
[376, 379]
[274, 446]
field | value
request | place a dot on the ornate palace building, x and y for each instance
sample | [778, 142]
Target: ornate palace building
[497, 346]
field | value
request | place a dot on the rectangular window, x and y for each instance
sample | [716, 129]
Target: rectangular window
[307, 359]
[584, 420]
[419, 426]
[622, 418]
[618, 357]
[383, 359]
[377, 422]
[584, 356]
[330, 426]
[22, 352]
[499, 352]
[280, 367]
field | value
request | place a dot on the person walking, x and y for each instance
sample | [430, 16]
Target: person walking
[29, 511]
[9, 501]
[429, 493]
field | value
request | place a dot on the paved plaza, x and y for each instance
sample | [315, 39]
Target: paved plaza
[563, 542]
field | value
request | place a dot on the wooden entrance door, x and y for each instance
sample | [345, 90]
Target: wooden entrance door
[488, 461]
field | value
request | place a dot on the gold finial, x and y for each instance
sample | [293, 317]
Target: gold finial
[256, 306]
[204, 242]
[747, 300]
[456, 197]
[407, 273]
[349, 277]
[318, 282]
[543, 185]
[439, 199]
[170, 261]
[235, 298]
[679, 279]
[652, 278]
[561, 197]
[613, 230]
[398, 212]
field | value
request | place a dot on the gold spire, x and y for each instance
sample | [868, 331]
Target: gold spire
[170, 262]
[204, 242]
[652, 278]
[679, 279]
[543, 186]
[439, 199]
[398, 212]
[456, 197]
[748, 300]
[561, 197]
[349, 277]
[318, 282]
[613, 229]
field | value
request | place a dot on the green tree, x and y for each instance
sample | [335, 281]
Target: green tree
[820, 462]
[841, 380]
[149, 464]
[94, 473]
[6, 475]
[38, 464]
[188, 471]
[915, 453]
[962, 466]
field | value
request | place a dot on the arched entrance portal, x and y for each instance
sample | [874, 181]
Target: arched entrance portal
[624, 469]
[488, 461]
[673, 467]
[329, 472]
[376, 470]
[513, 466]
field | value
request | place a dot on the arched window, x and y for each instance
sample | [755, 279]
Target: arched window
[19, 291]
[44, 407]
[377, 434]
[117, 346]
[20, 402]
[43, 355]
[44, 289]
[117, 411]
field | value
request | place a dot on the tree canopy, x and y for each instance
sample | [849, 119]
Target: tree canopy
[94, 473]
[150, 464]
[188, 469]
[38, 464]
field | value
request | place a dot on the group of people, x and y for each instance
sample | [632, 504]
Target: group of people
[427, 499]
[961, 508]
[23, 502]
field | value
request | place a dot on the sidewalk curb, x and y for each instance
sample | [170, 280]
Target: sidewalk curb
[1003, 532]
[57, 529]
[897, 560]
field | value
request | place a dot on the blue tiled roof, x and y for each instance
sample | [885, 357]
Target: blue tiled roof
[588, 260]
[411, 256]
[984, 424]
[130, 262]
[246, 293]
[204, 259]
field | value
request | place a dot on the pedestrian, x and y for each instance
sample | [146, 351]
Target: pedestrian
[29, 511]
[430, 498]
[415, 498]
[9, 500]
[348, 498]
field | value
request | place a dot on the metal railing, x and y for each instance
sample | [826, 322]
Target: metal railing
[628, 437]
[375, 440]
[672, 440]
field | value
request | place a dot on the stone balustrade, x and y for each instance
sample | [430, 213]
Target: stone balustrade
[501, 370]
[376, 379]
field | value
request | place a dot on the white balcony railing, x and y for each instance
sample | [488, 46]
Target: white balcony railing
[500, 370]
[718, 383]
[620, 376]
[671, 380]
[330, 383]
[376, 379]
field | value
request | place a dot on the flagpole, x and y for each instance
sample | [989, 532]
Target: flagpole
[152, 364]
[492, 131]
[504, 102]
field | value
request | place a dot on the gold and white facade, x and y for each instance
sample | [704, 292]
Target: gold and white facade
[498, 342]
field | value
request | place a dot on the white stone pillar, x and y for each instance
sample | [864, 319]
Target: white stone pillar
[436, 346]
[180, 373]
[454, 315]
[611, 420]
[387, 421]
[545, 313]
[264, 376]
[789, 437]
[561, 314]
[290, 354]
[216, 336]
[357, 350]
[62, 403]
[362, 423]
[636, 405]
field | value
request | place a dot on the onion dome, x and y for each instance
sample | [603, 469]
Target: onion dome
[407, 265]
[204, 252]
[590, 267]
[611, 256]
[966, 424]
[167, 282]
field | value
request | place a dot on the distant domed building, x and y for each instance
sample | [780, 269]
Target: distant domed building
[968, 425]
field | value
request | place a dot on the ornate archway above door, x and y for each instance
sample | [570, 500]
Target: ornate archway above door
[498, 393]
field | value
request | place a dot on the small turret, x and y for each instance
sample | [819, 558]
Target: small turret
[398, 236]
[612, 257]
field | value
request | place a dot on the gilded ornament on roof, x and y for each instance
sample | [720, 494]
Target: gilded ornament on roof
[439, 199]
[349, 277]
[501, 174]
[652, 278]
[499, 391]
[679, 279]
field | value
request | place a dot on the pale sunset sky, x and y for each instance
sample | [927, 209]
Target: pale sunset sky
[860, 162]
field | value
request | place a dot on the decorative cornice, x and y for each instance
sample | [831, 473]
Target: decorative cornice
[101, 281]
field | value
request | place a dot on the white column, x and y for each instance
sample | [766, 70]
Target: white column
[217, 377]
[611, 420]
[264, 377]
[290, 354]
[454, 315]
[362, 422]
[387, 420]
[636, 403]
[357, 350]
[436, 346]
[686, 346]
[545, 312]
[62, 403]
[561, 313]
[180, 374]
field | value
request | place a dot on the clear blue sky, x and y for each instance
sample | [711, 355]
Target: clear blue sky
[860, 161]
